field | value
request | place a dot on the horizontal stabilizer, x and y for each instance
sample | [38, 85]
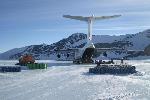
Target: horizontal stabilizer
[81, 18]
[106, 17]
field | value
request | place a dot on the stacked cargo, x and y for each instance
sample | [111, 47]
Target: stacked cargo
[113, 69]
[37, 66]
[10, 69]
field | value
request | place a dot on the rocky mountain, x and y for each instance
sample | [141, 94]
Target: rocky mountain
[44, 51]
[135, 43]
[139, 41]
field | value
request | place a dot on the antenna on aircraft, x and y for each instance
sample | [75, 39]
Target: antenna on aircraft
[90, 20]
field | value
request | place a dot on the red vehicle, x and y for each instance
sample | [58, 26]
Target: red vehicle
[26, 59]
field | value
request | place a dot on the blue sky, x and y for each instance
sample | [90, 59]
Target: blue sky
[26, 22]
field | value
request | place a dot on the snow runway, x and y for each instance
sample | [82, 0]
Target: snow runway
[64, 81]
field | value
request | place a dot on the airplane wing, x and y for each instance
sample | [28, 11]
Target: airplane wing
[106, 17]
[108, 49]
[135, 50]
[96, 49]
[68, 49]
[100, 49]
[81, 18]
[116, 49]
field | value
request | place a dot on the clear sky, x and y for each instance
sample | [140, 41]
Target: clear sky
[26, 22]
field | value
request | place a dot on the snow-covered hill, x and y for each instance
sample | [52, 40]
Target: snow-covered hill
[138, 41]
[6, 55]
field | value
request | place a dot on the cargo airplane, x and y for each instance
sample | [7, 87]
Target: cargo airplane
[84, 55]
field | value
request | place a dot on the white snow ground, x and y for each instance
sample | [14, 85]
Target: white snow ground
[64, 81]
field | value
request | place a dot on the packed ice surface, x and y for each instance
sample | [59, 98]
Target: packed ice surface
[65, 81]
